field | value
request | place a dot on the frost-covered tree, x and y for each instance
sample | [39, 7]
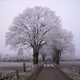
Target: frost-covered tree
[43, 54]
[61, 42]
[20, 54]
[31, 27]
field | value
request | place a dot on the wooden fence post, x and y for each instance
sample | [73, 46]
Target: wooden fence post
[17, 74]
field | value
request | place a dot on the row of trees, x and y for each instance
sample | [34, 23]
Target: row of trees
[39, 28]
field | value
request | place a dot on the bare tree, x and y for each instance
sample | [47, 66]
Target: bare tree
[31, 27]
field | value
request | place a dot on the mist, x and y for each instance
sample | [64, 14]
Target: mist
[68, 10]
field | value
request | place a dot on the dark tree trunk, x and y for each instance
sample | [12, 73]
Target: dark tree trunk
[56, 57]
[43, 58]
[58, 54]
[35, 56]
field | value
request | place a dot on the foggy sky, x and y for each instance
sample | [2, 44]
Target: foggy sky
[68, 10]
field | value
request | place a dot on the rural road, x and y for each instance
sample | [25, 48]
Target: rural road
[52, 73]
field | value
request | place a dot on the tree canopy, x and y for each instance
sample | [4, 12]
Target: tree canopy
[30, 27]
[33, 27]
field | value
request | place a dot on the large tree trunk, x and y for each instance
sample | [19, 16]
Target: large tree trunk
[35, 56]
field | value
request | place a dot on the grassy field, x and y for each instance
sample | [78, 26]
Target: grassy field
[13, 66]
[72, 69]
[14, 70]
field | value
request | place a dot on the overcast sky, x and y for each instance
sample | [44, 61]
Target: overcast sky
[68, 10]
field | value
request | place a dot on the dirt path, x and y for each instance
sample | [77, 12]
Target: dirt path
[52, 74]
